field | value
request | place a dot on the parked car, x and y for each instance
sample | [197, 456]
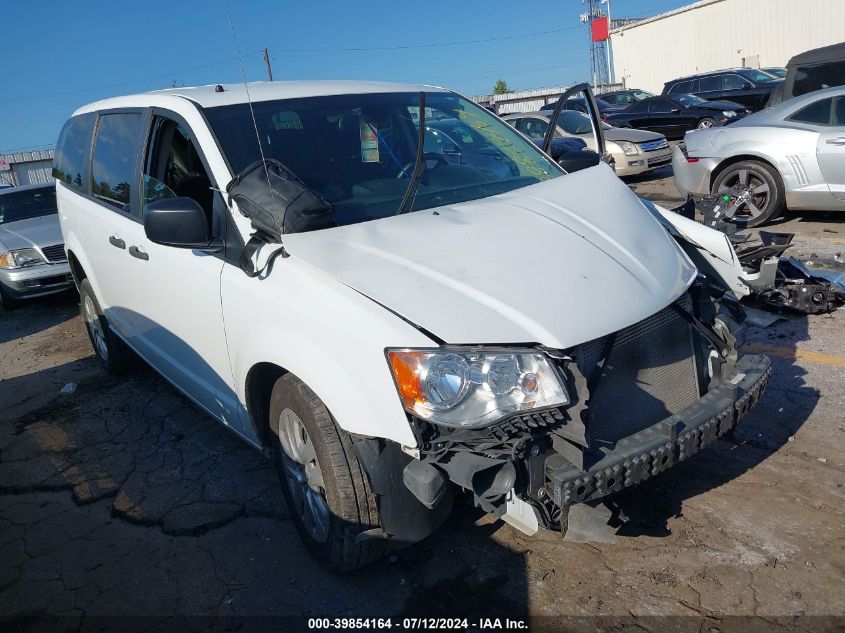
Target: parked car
[775, 71]
[791, 155]
[673, 115]
[747, 86]
[459, 144]
[633, 151]
[580, 105]
[571, 153]
[813, 70]
[382, 321]
[32, 256]
[624, 98]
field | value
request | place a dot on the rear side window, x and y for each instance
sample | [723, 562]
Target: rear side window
[817, 113]
[114, 157]
[70, 162]
[734, 82]
[709, 84]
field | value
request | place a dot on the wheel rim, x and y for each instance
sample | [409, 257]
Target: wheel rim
[95, 327]
[304, 476]
[747, 193]
[706, 123]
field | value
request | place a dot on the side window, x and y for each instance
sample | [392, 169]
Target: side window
[613, 99]
[710, 84]
[70, 162]
[817, 113]
[734, 82]
[535, 128]
[661, 106]
[114, 156]
[681, 87]
[839, 111]
[819, 76]
[173, 168]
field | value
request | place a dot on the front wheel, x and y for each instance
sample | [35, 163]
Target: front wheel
[753, 192]
[706, 123]
[326, 489]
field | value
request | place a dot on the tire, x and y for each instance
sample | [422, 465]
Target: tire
[109, 348]
[706, 123]
[8, 302]
[740, 181]
[338, 479]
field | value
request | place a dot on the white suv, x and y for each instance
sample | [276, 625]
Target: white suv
[399, 319]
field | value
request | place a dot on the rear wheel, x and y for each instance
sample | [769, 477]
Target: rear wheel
[326, 490]
[110, 350]
[753, 192]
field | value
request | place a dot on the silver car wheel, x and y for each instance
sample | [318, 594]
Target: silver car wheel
[95, 327]
[706, 123]
[304, 476]
[748, 192]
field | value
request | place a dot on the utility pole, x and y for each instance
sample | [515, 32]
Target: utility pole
[266, 54]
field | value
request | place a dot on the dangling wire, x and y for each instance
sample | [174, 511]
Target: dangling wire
[249, 102]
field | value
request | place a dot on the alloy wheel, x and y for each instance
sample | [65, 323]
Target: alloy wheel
[747, 193]
[95, 327]
[304, 476]
[705, 124]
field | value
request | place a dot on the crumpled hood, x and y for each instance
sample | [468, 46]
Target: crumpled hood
[41, 231]
[557, 263]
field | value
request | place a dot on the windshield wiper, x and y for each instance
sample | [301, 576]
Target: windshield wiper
[419, 165]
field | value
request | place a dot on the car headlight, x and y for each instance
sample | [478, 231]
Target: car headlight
[729, 113]
[20, 258]
[459, 387]
[630, 149]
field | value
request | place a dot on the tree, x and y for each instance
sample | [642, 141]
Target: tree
[501, 87]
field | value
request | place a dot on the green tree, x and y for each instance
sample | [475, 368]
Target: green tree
[500, 87]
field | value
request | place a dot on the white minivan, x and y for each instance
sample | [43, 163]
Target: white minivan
[395, 322]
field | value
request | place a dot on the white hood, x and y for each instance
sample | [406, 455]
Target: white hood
[558, 263]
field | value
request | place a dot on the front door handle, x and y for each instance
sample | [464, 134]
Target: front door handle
[137, 252]
[116, 241]
[840, 140]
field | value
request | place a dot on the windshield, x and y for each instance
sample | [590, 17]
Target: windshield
[639, 95]
[777, 73]
[757, 76]
[358, 151]
[31, 203]
[689, 101]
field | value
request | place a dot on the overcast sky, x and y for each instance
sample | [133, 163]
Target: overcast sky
[58, 56]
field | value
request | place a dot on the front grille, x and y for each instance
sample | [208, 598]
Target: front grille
[652, 146]
[55, 253]
[649, 375]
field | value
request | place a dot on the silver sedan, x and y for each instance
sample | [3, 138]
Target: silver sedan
[791, 155]
[33, 262]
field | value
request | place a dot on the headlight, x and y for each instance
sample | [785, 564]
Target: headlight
[471, 388]
[20, 258]
[630, 149]
[729, 113]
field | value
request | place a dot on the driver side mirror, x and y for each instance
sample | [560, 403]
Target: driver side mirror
[179, 222]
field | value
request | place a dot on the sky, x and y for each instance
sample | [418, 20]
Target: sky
[59, 56]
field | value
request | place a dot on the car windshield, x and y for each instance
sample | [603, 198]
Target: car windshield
[639, 95]
[777, 73]
[358, 151]
[757, 76]
[30, 203]
[689, 101]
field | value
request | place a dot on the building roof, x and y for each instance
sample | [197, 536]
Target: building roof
[667, 14]
[209, 96]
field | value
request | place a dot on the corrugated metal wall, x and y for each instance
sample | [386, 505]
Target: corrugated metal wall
[715, 34]
[28, 168]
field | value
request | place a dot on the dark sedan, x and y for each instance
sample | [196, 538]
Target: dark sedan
[674, 115]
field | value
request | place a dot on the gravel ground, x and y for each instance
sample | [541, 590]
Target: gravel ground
[122, 499]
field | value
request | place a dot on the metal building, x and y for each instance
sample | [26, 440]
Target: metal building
[715, 34]
[27, 168]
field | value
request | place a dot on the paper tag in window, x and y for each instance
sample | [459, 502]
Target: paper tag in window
[369, 142]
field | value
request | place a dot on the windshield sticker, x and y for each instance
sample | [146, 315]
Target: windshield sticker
[369, 142]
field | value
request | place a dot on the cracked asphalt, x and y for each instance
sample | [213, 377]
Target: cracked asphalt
[122, 499]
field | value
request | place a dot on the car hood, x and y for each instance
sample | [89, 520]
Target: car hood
[557, 263]
[41, 231]
[631, 135]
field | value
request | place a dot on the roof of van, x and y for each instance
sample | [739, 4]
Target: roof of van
[817, 55]
[211, 96]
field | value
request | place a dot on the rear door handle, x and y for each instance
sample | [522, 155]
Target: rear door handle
[116, 241]
[137, 252]
[836, 141]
